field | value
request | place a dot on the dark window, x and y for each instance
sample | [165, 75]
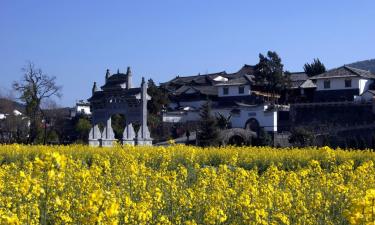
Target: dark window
[327, 84]
[348, 83]
[241, 90]
[225, 91]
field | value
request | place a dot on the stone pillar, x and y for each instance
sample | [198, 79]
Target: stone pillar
[129, 135]
[95, 136]
[129, 79]
[143, 135]
[108, 136]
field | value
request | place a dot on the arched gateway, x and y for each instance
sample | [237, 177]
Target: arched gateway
[117, 96]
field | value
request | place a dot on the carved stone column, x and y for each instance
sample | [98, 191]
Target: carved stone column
[143, 135]
[108, 136]
[95, 136]
[128, 135]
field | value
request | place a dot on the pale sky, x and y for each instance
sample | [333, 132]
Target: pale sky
[76, 41]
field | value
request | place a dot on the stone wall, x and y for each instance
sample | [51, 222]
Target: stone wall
[331, 114]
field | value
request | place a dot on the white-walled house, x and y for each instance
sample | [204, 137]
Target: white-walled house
[242, 116]
[230, 94]
[342, 84]
[81, 108]
[236, 87]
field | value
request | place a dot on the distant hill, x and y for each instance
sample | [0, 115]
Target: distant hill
[364, 65]
[8, 105]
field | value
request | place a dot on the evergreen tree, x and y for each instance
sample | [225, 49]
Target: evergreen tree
[83, 127]
[223, 122]
[269, 73]
[159, 98]
[118, 125]
[208, 132]
[315, 68]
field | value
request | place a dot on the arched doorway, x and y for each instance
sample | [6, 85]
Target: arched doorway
[236, 140]
[118, 125]
[252, 124]
[236, 136]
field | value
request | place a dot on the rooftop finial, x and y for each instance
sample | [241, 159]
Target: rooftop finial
[118, 71]
[129, 78]
[94, 88]
[107, 74]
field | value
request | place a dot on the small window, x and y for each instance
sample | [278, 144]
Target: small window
[225, 91]
[348, 83]
[241, 90]
[327, 84]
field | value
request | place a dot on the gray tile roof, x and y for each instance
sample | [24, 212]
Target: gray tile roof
[344, 71]
[246, 70]
[296, 76]
[197, 79]
[126, 92]
[115, 80]
[371, 91]
[243, 80]
[207, 79]
[205, 90]
[308, 84]
[300, 80]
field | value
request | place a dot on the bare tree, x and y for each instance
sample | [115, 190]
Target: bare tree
[35, 87]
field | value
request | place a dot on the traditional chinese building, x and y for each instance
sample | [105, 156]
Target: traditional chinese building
[118, 96]
[231, 94]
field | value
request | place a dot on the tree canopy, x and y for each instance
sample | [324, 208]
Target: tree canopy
[269, 72]
[315, 68]
[207, 132]
[159, 98]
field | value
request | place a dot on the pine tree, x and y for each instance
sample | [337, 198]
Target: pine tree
[269, 73]
[159, 98]
[315, 68]
[208, 132]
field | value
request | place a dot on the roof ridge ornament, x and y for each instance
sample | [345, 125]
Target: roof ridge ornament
[107, 75]
[129, 78]
[94, 88]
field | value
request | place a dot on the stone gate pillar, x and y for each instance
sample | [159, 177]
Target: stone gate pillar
[143, 135]
[108, 136]
[95, 136]
[128, 137]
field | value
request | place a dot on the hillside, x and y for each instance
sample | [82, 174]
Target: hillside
[8, 105]
[364, 65]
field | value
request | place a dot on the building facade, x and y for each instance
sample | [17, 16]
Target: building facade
[342, 84]
[118, 96]
[231, 94]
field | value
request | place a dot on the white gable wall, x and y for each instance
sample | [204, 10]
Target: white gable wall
[266, 119]
[83, 109]
[364, 85]
[339, 84]
[233, 90]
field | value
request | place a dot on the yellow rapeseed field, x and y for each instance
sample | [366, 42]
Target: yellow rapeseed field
[185, 185]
